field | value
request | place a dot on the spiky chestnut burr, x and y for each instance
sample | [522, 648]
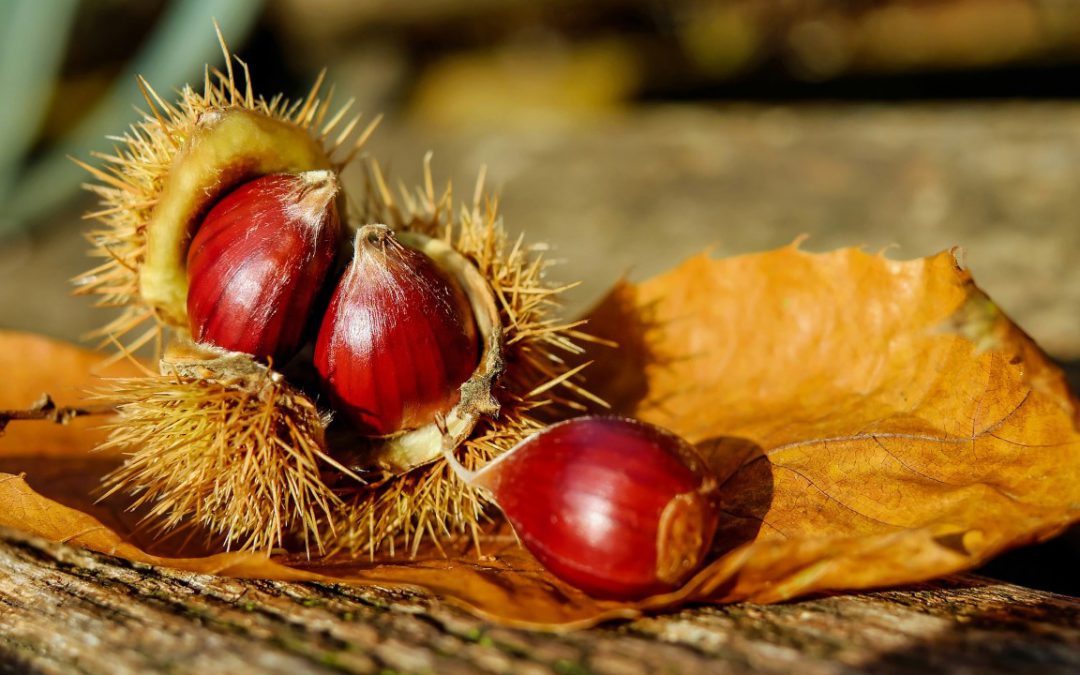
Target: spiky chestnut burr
[169, 170]
[619, 508]
[172, 166]
[251, 444]
[224, 443]
[259, 261]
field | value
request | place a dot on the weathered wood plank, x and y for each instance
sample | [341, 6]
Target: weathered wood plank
[68, 610]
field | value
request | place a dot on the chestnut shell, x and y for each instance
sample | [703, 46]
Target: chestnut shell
[617, 507]
[398, 338]
[259, 262]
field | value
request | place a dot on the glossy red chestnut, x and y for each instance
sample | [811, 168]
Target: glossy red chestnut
[397, 340]
[259, 261]
[619, 508]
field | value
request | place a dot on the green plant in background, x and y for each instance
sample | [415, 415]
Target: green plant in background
[33, 39]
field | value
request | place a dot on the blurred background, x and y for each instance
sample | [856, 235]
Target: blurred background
[629, 134]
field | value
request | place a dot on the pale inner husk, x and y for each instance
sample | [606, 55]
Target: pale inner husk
[230, 146]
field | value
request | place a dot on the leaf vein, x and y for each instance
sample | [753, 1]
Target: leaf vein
[837, 501]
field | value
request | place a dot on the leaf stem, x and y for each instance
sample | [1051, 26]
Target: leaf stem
[45, 409]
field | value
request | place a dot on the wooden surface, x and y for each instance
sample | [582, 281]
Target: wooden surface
[65, 610]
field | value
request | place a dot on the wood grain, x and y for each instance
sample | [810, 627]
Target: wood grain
[65, 610]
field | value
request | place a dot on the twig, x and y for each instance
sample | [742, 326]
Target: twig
[45, 409]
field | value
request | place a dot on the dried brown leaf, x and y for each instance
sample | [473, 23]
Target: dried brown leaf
[873, 423]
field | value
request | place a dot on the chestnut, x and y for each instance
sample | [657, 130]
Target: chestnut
[398, 338]
[260, 260]
[619, 508]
